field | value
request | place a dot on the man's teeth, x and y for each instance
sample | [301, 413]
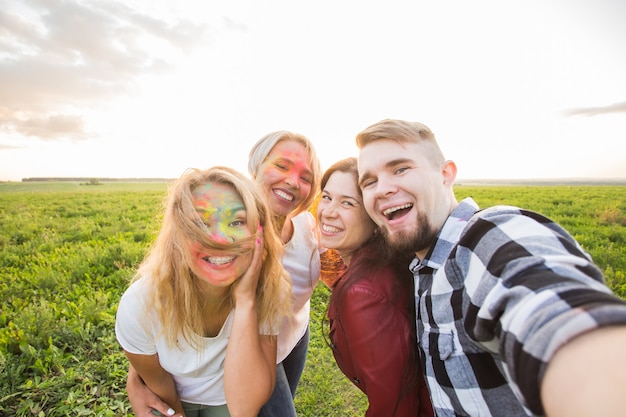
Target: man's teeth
[394, 209]
[330, 229]
[284, 195]
[219, 260]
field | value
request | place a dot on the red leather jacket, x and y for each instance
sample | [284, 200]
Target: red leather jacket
[373, 337]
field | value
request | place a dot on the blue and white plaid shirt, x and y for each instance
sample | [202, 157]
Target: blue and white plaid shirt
[500, 291]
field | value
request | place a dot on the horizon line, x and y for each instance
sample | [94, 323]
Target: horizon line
[458, 181]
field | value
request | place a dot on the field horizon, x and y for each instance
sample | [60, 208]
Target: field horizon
[459, 181]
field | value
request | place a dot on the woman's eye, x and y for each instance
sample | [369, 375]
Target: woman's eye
[325, 197]
[237, 223]
[401, 170]
[307, 180]
[348, 203]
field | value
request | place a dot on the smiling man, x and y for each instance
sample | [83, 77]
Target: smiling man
[510, 308]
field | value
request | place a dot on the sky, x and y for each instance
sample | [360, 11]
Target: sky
[149, 88]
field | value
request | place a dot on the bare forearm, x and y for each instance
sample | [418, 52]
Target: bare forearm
[143, 400]
[150, 387]
[165, 389]
[587, 376]
[249, 374]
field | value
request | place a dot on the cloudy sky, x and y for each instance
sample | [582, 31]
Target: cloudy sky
[147, 88]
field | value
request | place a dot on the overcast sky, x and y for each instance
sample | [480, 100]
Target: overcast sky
[148, 88]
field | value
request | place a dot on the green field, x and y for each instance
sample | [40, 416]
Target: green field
[68, 250]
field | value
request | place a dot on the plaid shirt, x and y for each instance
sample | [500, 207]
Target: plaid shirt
[500, 291]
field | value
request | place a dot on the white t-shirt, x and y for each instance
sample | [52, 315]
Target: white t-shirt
[199, 374]
[302, 262]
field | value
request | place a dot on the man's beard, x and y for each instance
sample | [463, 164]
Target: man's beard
[411, 241]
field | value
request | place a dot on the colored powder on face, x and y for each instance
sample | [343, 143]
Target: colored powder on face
[217, 205]
[296, 164]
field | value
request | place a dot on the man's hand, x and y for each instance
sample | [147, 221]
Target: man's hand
[143, 400]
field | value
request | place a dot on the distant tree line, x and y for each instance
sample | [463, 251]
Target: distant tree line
[92, 179]
[530, 182]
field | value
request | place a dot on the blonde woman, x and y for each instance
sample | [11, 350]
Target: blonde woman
[286, 167]
[199, 322]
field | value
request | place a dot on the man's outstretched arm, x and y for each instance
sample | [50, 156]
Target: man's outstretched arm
[587, 376]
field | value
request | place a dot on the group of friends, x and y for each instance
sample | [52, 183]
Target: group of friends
[442, 308]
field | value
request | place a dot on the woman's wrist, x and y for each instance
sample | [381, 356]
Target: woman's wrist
[245, 302]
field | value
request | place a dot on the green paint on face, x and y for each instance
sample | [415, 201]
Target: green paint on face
[222, 211]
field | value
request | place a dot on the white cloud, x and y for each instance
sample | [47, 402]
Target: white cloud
[64, 57]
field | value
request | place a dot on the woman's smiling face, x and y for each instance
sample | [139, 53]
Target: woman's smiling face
[286, 176]
[343, 221]
[223, 213]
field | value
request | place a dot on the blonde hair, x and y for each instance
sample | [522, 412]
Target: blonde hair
[402, 132]
[263, 147]
[177, 294]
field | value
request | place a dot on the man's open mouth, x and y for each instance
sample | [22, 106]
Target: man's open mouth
[397, 211]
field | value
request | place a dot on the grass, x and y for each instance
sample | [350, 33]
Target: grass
[67, 252]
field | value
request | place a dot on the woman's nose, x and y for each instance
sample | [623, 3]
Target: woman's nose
[219, 236]
[329, 210]
[293, 181]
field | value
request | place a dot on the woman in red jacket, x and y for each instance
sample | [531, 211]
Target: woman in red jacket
[371, 310]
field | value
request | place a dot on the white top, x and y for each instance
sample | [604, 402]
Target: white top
[302, 262]
[199, 374]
